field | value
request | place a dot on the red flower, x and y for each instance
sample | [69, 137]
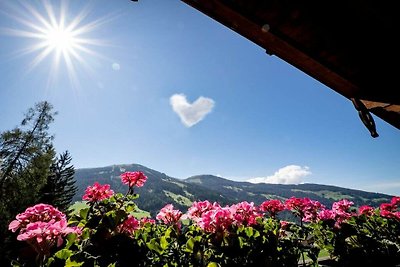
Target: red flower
[129, 225]
[305, 208]
[97, 192]
[272, 206]
[388, 210]
[145, 220]
[395, 201]
[133, 179]
[325, 215]
[366, 210]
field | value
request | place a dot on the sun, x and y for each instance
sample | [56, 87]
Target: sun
[53, 35]
[60, 39]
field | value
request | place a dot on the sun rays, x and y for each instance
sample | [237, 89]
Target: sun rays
[53, 34]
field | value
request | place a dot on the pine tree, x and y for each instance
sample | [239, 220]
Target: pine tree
[26, 154]
[60, 187]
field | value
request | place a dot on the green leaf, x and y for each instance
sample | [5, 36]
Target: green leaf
[63, 254]
[163, 242]
[69, 263]
[168, 232]
[213, 264]
[154, 245]
[190, 245]
[241, 241]
[249, 231]
[83, 213]
[130, 207]
[85, 233]
[70, 240]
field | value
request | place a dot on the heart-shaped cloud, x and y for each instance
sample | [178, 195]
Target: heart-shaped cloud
[191, 114]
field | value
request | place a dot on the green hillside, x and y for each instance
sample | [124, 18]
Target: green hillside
[161, 189]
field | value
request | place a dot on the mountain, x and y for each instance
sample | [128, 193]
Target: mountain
[158, 191]
[161, 189]
[326, 194]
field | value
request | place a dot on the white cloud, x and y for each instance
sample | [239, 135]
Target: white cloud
[291, 174]
[191, 114]
[116, 66]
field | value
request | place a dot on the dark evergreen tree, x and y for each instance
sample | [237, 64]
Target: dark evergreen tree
[26, 154]
[60, 187]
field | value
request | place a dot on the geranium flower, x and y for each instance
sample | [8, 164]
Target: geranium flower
[325, 215]
[169, 215]
[395, 201]
[341, 210]
[133, 179]
[216, 220]
[97, 192]
[388, 210]
[273, 207]
[145, 220]
[245, 213]
[366, 210]
[39, 212]
[129, 225]
[43, 226]
[305, 208]
[198, 208]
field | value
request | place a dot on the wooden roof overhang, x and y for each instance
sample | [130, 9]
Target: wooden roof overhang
[350, 46]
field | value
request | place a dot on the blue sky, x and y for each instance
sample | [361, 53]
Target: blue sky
[131, 99]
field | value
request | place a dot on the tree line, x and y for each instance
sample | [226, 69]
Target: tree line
[31, 172]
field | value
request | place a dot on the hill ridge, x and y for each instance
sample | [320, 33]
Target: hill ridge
[161, 189]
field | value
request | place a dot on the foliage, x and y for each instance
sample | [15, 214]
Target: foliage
[106, 233]
[26, 154]
[31, 173]
[60, 187]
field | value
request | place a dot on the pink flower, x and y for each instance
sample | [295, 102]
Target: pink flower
[216, 220]
[387, 207]
[311, 209]
[129, 225]
[272, 206]
[198, 208]
[43, 226]
[305, 208]
[168, 215]
[296, 204]
[97, 192]
[325, 215]
[145, 220]
[366, 210]
[395, 201]
[39, 212]
[341, 210]
[133, 179]
[388, 210]
[245, 213]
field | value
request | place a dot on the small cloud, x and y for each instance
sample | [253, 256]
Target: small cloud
[116, 66]
[191, 114]
[291, 174]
